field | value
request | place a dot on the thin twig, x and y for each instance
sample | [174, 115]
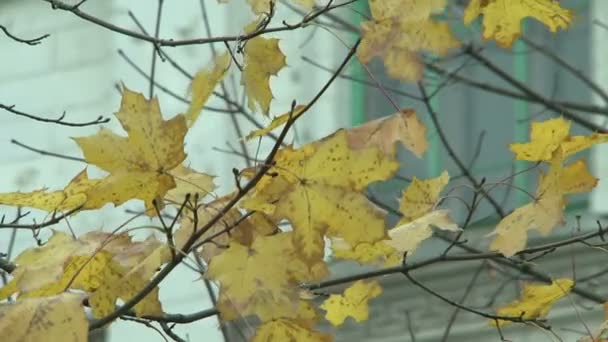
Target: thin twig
[33, 41]
[47, 153]
[59, 121]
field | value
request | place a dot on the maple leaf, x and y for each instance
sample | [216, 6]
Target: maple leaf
[353, 303]
[545, 138]
[406, 236]
[54, 318]
[137, 164]
[318, 189]
[203, 84]
[543, 214]
[366, 253]
[398, 35]
[576, 178]
[421, 196]
[288, 330]
[402, 126]
[189, 181]
[107, 266]
[255, 280]
[535, 302]
[549, 141]
[263, 58]
[70, 198]
[502, 18]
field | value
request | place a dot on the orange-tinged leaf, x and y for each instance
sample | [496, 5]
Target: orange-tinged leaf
[535, 302]
[399, 42]
[276, 122]
[263, 58]
[407, 235]
[203, 84]
[353, 303]
[421, 196]
[502, 18]
[224, 231]
[318, 189]
[137, 164]
[576, 178]
[189, 181]
[402, 126]
[54, 318]
[72, 197]
[288, 330]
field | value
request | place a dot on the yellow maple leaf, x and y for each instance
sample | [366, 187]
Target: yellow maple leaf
[366, 253]
[203, 84]
[502, 18]
[421, 196]
[549, 141]
[288, 330]
[353, 303]
[535, 302]
[189, 181]
[137, 164]
[400, 30]
[276, 122]
[572, 145]
[318, 189]
[70, 198]
[577, 178]
[55, 318]
[544, 213]
[259, 278]
[125, 283]
[107, 266]
[406, 9]
[407, 235]
[402, 126]
[263, 58]
[545, 138]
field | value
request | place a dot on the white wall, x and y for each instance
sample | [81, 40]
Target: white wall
[76, 70]
[599, 197]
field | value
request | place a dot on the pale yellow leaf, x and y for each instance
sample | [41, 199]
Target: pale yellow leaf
[203, 84]
[535, 302]
[54, 318]
[353, 303]
[403, 126]
[406, 236]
